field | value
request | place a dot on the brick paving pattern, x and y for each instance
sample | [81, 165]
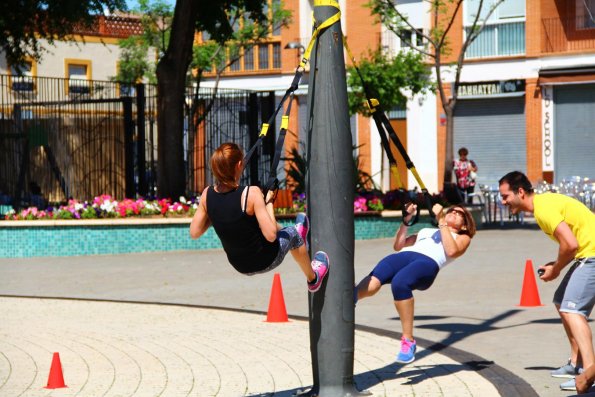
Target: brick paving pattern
[123, 349]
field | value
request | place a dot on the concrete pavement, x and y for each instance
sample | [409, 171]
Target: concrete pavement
[117, 349]
[474, 338]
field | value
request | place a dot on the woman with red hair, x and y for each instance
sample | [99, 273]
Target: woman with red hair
[245, 222]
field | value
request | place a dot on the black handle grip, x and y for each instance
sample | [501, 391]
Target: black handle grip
[272, 184]
[413, 220]
[430, 204]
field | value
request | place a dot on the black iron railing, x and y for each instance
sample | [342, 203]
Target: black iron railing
[57, 142]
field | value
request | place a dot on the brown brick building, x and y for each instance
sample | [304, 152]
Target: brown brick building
[526, 100]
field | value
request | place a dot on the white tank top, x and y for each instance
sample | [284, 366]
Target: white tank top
[429, 243]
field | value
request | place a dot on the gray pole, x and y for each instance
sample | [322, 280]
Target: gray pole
[330, 191]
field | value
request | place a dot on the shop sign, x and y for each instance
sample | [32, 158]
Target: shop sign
[490, 88]
[547, 127]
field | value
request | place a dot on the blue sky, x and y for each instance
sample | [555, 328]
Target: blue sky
[133, 3]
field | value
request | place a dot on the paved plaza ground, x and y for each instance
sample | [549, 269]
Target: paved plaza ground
[153, 325]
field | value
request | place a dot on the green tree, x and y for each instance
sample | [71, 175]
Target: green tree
[212, 55]
[139, 54]
[226, 30]
[444, 13]
[133, 63]
[388, 79]
[24, 23]
[229, 24]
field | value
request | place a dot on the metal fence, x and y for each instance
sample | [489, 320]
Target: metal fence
[62, 138]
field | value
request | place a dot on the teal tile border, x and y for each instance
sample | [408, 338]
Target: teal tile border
[58, 239]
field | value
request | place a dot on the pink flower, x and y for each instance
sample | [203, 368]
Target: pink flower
[102, 199]
[164, 204]
[359, 205]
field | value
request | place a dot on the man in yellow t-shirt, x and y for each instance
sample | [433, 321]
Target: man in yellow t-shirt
[572, 225]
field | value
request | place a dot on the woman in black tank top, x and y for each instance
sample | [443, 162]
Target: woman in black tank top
[251, 237]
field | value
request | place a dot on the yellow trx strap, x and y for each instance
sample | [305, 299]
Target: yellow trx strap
[325, 24]
[273, 183]
[373, 104]
[394, 169]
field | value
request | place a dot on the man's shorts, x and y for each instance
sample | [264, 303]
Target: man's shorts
[576, 292]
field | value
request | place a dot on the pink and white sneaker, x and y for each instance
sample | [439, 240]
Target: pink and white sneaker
[320, 265]
[302, 225]
[407, 353]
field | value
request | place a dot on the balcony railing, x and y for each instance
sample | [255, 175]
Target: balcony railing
[567, 34]
[111, 26]
[502, 39]
[261, 57]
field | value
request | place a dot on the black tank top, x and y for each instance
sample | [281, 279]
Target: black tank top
[247, 249]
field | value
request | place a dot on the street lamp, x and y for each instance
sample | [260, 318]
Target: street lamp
[296, 45]
[292, 45]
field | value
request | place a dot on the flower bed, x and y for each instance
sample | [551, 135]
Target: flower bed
[108, 226]
[106, 207]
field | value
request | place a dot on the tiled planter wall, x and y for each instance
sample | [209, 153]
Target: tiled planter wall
[19, 239]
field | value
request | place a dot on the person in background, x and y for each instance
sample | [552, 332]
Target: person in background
[572, 225]
[465, 172]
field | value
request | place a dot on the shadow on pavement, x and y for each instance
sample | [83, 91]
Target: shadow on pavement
[507, 383]
[281, 393]
[459, 331]
[540, 368]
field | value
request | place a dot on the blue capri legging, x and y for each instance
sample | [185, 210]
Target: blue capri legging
[406, 271]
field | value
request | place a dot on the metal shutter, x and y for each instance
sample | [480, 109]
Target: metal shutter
[494, 132]
[574, 134]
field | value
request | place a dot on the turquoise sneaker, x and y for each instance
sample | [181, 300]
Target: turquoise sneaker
[569, 385]
[566, 371]
[407, 353]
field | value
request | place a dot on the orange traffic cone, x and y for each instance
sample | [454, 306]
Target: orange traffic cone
[529, 294]
[56, 378]
[277, 312]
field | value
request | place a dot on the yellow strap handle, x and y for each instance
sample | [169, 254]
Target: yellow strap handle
[284, 122]
[395, 171]
[372, 103]
[417, 178]
[264, 129]
[333, 19]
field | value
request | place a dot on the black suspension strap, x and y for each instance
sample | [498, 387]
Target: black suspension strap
[273, 183]
[265, 126]
[385, 129]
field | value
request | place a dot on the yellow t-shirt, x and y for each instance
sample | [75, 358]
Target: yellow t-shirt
[552, 208]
